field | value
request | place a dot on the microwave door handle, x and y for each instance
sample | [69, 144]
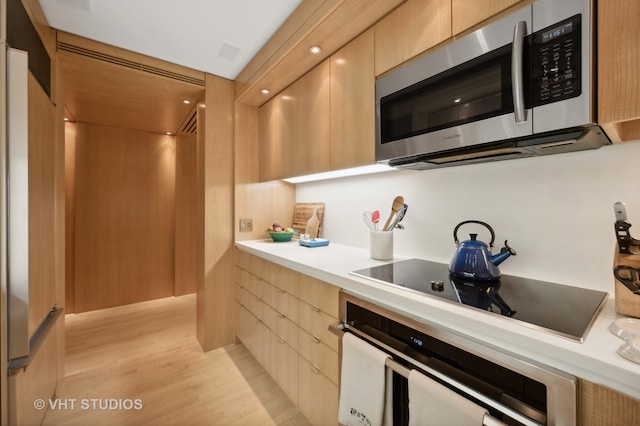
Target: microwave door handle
[517, 72]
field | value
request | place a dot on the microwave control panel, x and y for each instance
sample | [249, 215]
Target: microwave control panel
[557, 62]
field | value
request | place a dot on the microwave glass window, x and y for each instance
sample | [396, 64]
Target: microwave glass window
[478, 89]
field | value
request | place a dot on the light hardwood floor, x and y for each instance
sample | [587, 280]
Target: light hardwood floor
[148, 352]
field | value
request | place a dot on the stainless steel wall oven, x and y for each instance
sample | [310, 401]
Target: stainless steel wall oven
[514, 391]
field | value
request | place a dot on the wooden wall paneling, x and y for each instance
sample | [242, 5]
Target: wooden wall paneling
[42, 284]
[411, 29]
[265, 202]
[60, 205]
[124, 218]
[215, 288]
[4, 417]
[185, 220]
[70, 172]
[127, 55]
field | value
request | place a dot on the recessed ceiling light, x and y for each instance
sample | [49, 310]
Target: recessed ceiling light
[66, 119]
[265, 91]
[186, 101]
[457, 100]
[168, 133]
[315, 49]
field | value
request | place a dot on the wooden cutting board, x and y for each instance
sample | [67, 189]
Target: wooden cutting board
[303, 212]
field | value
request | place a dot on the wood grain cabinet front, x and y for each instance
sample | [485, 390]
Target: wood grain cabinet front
[305, 129]
[619, 68]
[270, 122]
[316, 322]
[319, 294]
[282, 317]
[284, 366]
[319, 355]
[318, 396]
[411, 29]
[600, 406]
[465, 14]
[352, 104]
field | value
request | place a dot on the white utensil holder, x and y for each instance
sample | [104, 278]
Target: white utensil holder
[381, 245]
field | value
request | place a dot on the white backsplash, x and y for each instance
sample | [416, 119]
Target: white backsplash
[556, 211]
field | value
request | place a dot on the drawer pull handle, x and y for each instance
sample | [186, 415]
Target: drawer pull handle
[281, 290]
[281, 340]
[315, 309]
[315, 369]
[314, 339]
[282, 316]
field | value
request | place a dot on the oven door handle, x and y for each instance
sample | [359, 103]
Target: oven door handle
[517, 71]
[340, 328]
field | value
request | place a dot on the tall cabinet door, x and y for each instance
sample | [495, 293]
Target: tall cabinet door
[268, 149]
[353, 104]
[305, 116]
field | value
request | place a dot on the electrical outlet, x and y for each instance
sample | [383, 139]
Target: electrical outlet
[246, 225]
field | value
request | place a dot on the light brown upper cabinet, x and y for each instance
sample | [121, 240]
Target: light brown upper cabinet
[352, 104]
[412, 28]
[619, 68]
[465, 14]
[269, 134]
[305, 124]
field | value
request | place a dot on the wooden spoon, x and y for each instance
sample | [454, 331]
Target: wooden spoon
[398, 202]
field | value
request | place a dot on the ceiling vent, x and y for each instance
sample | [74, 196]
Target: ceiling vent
[190, 124]
[66, 47]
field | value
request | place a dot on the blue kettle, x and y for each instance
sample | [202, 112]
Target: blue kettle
[473, 259]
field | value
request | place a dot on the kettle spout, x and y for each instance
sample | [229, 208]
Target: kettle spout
[505, 252]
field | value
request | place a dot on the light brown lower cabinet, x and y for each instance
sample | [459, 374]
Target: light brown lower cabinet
[284, 366]
[254, 334]
[293, 311]
[318, 396]
[600, 406]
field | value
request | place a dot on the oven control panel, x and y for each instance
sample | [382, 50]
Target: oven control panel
[556, 62]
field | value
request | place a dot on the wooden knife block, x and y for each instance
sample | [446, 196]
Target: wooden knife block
[627, 303]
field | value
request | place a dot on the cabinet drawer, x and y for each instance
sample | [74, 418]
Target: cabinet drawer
[285, 279]
[242, 259]
[319, 355]
[318, 396]
[250, 301]
[319, 294]
[256, 286]
[253, 264]
[282, 302]
[316, 322]
[284, 367]
[281, 326]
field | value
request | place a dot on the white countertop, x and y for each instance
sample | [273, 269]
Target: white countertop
[595, 359]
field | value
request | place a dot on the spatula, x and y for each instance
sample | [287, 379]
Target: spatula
[398, 202]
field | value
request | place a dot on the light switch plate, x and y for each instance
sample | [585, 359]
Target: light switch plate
[246, 225]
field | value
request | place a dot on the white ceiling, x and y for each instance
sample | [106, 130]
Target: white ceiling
[215, 36]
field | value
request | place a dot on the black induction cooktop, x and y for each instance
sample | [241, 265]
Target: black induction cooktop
[560, 309]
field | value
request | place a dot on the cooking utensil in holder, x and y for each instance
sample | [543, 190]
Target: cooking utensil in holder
[626, 265]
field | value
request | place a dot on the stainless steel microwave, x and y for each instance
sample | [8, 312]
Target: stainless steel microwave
[519, 87]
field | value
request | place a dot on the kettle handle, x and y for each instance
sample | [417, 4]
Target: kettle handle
[455, 231]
